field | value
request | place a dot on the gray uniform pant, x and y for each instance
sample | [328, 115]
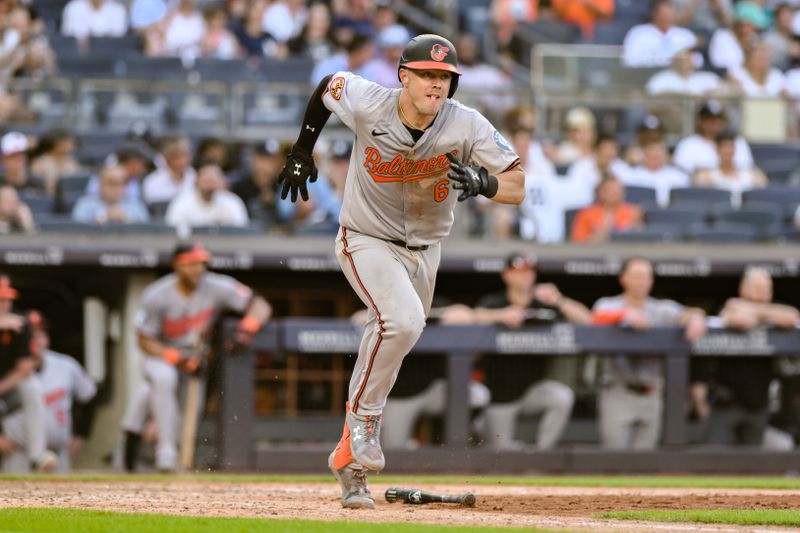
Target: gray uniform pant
[32, 434]
[158, 395]
[629, 420]
[396, 285]
[14, 428]
[551, 399]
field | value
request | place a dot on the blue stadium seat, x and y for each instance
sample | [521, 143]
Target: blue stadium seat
[776, 160]
[612, 32]
[229, 70]
[37, 204]
[252, 229]
[758, 218]
[296, 69]
[722, 233]
[786, 196]
[68, 190]
[640, 195]
[154, 68]
[66, 225]
[679, 217]
[649, 233]
[699, 194]
[129, 45]
[143, 228]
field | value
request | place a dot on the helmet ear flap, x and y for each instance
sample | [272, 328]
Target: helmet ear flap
[453, 85]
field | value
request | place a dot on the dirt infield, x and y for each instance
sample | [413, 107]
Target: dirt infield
[497, 505]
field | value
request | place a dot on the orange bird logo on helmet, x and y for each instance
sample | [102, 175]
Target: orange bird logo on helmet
[439, 52]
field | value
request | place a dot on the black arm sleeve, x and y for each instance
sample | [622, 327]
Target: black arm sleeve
[315, 117]
[82, 418]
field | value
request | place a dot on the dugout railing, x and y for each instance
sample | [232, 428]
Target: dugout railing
[458, 345]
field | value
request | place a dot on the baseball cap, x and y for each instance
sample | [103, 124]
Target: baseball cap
[751, 13]
[711, 108]
[190, 253]
[520, 260]
[580, 117]
[13, 142]
[268, 147]
[393, 36]
[7, 292]
[651, 123]
[341, 150]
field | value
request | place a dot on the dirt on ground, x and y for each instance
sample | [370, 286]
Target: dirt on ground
[572, 508]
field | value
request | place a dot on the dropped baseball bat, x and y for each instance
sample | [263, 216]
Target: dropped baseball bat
[419, 497]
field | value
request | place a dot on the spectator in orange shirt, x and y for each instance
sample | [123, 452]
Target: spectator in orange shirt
[608, 213]
[583, 13]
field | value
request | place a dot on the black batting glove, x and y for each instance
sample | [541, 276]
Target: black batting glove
[298, 168]
[471, 181]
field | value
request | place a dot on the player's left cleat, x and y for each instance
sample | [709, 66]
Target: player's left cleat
[46, 463]
[365, 440]
[353, 481]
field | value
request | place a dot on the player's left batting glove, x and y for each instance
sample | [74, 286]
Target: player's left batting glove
[298, 168]
[471, 181]
[243, 336]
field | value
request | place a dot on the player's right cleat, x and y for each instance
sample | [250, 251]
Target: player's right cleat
[365, 440]
[47, 462]
[353, 481]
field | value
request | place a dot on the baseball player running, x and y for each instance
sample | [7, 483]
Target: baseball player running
[20, 387]
[174, 316]
[413, 145]
[62, 380]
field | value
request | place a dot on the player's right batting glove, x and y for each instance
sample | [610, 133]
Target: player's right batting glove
[471, 181]
[298, 168]
[243, 336]
[189, 364]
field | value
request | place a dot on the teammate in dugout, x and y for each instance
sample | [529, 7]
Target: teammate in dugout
[174, 316]
[20, 386]
[62, 380]
[413, 145]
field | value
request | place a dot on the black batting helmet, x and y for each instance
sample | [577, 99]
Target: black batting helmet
[429, 51]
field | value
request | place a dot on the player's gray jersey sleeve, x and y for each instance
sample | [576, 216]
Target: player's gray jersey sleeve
[352, 98]
[149, 318]
[228, 292]
[83, 387]
[490, 149]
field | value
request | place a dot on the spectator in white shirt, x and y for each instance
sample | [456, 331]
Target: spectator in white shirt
[285, 19]
[179, 34]
[656, 172]
[218, 41]
[758, 77]
[653, 44]
[391, 42]
[726, 175]
[682, 78]
[95, 18]
[585, 173]
[210, 203]
[699, 151]
[728, 47]
[163, 184]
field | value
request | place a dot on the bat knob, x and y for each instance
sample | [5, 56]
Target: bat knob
[468, 499]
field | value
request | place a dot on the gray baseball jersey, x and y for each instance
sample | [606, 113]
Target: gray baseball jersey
[62, 379]
[177, 320]
[624, 370]
[398, 189]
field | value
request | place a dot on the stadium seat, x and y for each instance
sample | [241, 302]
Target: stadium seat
[68, 190]
[158, 209]
[649, 233]
[640, 195]
[38, 204]
[79, 67]
[145, 228]
[612, 32]
[129, 45]
[679, 217]
[758, 218]
[569, 219]
[296, 69]
[63, 45]
[636, 11]
[780, 195]
[729, 232]
[154, 68]
[252, 229]
[214, 69]
[94, 147]
[699, 194]
[66, 225]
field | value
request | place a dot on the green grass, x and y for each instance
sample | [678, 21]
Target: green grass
[723, 482]
[82, 521]
[745, 517]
